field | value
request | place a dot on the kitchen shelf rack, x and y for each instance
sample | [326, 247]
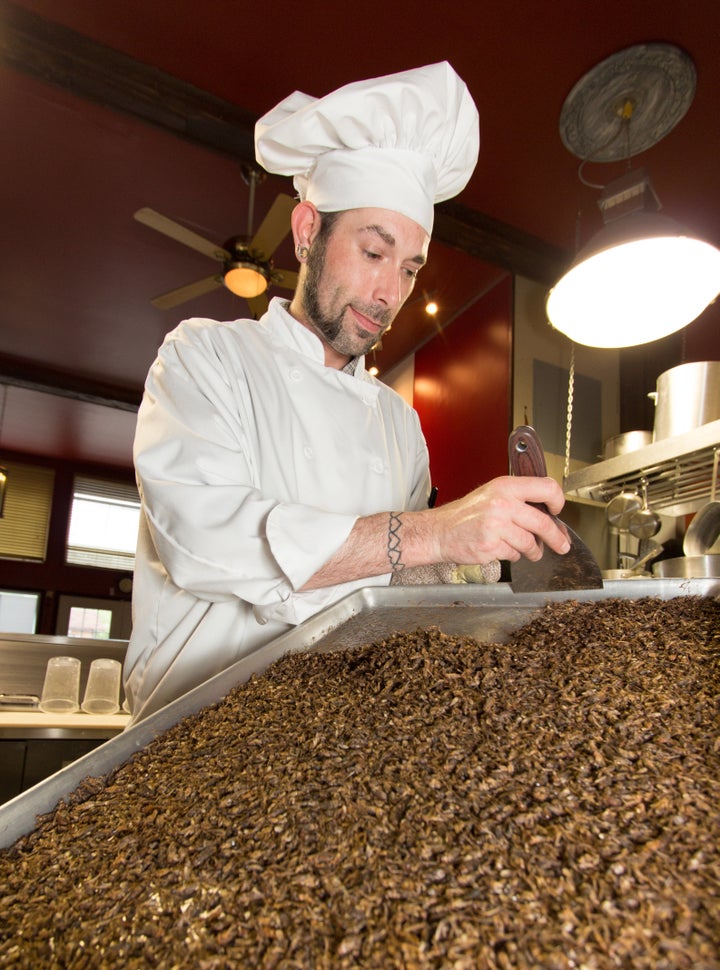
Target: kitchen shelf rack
[679, 472]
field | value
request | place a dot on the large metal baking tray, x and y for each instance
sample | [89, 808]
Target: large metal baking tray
[488, 613]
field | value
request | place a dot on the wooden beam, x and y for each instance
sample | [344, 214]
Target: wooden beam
[35, 377]
[498, 243]
[60, 56]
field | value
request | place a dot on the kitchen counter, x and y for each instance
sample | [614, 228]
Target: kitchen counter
[38, 724]
[23, 661]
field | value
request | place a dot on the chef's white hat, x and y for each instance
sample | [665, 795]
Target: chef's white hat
[401, 142]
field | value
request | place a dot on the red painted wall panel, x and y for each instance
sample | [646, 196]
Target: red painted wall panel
[462, 392]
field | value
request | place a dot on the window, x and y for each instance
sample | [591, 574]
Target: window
[18, 611]
[94, 617]
[25, 522]
[103, 524]
[90, 623]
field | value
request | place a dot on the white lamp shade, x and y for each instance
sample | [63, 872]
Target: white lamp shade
[246, 280]
[639, 279]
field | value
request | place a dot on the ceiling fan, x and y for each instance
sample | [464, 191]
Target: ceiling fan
[247, 266]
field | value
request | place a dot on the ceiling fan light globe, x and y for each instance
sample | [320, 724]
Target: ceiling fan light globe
[245, 280]
[636, 291]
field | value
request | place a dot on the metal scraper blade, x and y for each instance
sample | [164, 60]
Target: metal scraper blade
[578, 568]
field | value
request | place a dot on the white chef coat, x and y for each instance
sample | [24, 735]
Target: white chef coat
[253, 461]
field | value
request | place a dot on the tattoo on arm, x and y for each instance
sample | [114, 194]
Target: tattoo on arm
[394, 552]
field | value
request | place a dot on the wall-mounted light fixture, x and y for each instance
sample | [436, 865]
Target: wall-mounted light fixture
[3, 489]
[3, 470]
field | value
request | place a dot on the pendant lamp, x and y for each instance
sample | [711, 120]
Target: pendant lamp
[245, 273]
[642, 276]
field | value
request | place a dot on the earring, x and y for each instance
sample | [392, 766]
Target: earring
[302, 251]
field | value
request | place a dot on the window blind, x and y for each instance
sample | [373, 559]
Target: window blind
[26, 519]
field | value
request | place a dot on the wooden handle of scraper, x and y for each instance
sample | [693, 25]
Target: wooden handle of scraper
[527, 456]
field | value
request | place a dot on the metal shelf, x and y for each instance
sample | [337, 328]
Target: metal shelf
[679, 472]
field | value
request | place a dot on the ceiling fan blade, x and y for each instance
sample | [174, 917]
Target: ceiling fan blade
[180, 234]
[274, 227]
[184, 293]
[286, 279]
[258, 305]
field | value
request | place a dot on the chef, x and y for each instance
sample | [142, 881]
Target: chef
[276, 475]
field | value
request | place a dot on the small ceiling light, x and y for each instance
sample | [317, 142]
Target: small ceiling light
[245, 278]
[373, 371]
[431, 305]
[245, 273]
[642, 276]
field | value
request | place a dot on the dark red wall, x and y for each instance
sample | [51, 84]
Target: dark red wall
[462, 393]
[702, 337]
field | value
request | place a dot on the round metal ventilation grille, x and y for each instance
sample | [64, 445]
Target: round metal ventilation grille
[628, 102]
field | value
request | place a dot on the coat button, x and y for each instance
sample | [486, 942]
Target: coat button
[378, 466]
[295, 374]
[308, 452]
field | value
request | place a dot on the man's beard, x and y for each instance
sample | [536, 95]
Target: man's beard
[331, 326]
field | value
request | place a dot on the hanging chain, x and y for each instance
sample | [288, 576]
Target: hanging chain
[568, 427]
[571, 372]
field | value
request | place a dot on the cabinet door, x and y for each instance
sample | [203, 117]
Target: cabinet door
[12, 764]
[47, 755]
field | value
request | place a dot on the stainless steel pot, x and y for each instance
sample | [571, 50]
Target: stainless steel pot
[644, 524]
[620, 509]
[687, 397]
[704, 531]
[624, 444]
[688, 567]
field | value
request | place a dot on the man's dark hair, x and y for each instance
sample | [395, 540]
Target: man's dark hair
[327, 224]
